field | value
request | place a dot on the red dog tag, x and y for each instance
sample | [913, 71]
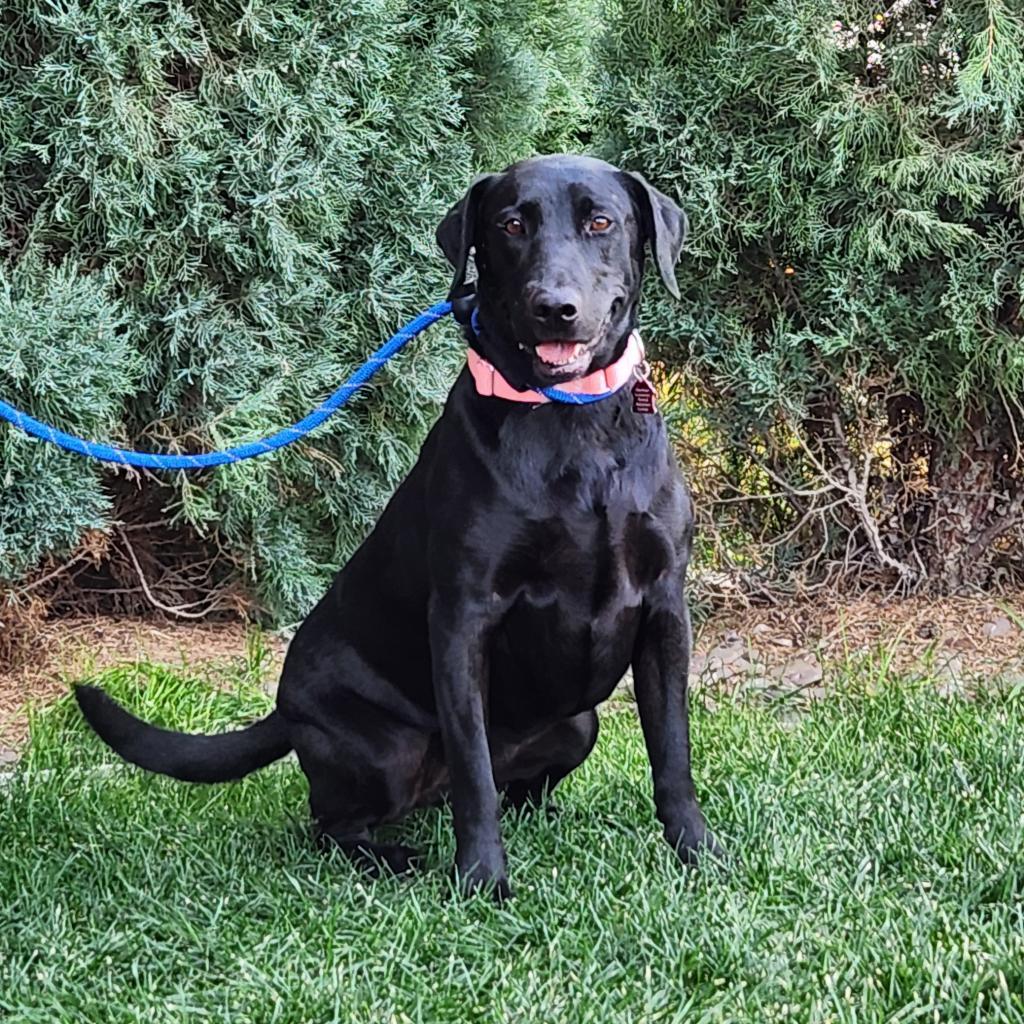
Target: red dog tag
[644, 397]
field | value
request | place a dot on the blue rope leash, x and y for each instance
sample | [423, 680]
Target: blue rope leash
[149, 460]
[125, 457]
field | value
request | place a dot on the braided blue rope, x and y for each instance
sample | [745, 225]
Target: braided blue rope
[147, 460]
[556, 395]
[150, 460]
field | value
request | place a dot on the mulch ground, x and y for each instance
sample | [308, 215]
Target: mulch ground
[788, 648]
[69, 649]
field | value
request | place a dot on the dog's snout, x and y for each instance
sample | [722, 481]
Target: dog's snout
[555, 306]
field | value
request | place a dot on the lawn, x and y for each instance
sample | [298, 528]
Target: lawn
[875, 875]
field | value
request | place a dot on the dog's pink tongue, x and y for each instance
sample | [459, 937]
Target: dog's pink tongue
[557, 351]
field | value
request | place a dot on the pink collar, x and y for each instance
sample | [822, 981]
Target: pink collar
[489, 382]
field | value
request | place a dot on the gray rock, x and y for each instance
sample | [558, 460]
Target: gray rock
[949, 676]
[725, 654]
[800, 672]
[998, 627]
[1010, 680]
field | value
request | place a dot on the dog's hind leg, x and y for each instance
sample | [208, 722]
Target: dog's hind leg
[345, 806]
[365, 770]
[536, 766]
[365, 853]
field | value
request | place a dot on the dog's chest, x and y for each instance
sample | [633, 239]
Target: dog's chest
[588, 524]
[585, 507]
[586, 563]
[571, 589]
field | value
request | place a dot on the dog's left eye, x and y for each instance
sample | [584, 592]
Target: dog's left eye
[600, 223]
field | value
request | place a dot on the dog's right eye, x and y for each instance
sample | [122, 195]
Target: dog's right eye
[513, 226]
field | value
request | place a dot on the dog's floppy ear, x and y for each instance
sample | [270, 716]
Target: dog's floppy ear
[455, 233]
[664, 226]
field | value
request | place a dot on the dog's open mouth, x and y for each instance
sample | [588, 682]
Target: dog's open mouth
[559, 353]
[561, 359]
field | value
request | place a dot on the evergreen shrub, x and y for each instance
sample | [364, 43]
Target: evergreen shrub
[210, 213]
[851, 342]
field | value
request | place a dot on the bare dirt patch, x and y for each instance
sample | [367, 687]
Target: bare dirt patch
[68, 649]
[958, 642]
[791, 648]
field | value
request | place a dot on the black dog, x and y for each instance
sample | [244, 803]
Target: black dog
[532, 555]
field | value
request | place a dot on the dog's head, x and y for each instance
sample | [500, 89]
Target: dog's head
[559, 244]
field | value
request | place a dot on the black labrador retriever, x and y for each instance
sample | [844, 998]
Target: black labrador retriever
[536, 551]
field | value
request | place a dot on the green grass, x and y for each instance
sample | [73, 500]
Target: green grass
[875, 876]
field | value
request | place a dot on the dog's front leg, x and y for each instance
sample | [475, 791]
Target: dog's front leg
[458, 660]
[660, 670]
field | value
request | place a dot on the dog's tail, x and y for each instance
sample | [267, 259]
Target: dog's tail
[185, 756]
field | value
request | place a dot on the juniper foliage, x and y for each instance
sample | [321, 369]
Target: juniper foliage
[211, 213]
[854, 174]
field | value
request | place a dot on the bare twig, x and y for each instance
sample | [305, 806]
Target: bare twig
[181, 611]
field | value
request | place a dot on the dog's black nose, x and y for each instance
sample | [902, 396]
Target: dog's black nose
[555, 306]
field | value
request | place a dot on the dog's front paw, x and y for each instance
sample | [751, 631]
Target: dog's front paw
[694, 843]
[478, 876]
